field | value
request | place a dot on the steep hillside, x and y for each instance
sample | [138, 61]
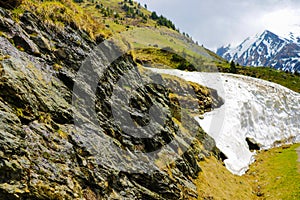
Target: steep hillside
[267, 49]
[66, 130]
[127, 21]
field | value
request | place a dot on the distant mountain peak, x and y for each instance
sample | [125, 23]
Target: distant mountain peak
[266, 49]
[269, 33]
[266, 32]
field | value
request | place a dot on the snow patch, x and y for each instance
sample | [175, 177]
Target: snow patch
[266, 112]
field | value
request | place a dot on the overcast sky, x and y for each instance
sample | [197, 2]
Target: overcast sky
[214, 23]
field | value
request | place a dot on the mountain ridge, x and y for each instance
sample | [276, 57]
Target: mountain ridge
[266, 49]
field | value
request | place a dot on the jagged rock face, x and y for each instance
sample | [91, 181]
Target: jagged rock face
[44, 155]
[267, 49]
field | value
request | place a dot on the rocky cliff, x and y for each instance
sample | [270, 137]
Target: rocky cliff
[51, 149]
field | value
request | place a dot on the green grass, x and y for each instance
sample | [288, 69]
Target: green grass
[275, 175]
[60, 13]
[216, 182]
[278, 171]
[161, 59]
[162, 38]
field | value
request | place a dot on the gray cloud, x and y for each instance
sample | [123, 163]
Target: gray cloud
[220, 22]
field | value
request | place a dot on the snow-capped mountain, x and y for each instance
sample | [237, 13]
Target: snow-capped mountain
[267, 49]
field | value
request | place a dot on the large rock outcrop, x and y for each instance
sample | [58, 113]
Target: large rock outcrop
[45, 155]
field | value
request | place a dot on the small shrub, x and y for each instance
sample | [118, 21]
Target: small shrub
[186, 66]
[57, 67]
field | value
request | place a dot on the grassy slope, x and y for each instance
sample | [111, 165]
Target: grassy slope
[61, 13]
[278, 174]
[275, 175]
[110, 19]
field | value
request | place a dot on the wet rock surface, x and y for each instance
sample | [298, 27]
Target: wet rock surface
[50, 149]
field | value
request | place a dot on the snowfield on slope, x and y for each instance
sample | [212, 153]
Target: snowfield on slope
[265, 112]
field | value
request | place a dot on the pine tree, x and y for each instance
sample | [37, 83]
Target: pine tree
[232, 67]
[154, 16]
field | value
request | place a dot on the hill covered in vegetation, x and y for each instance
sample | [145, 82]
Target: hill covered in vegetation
[147, 34]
